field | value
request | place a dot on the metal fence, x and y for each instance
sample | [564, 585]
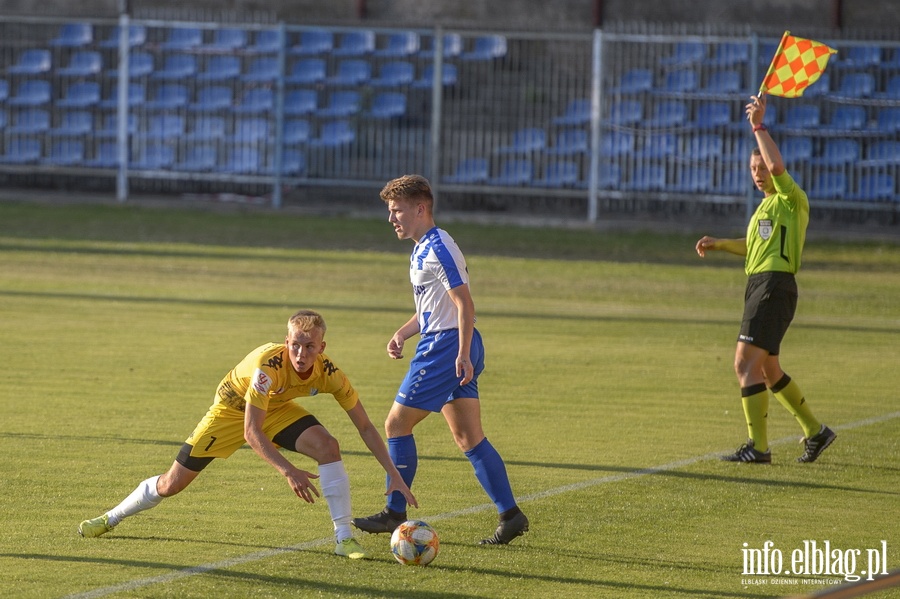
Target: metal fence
[590, 119]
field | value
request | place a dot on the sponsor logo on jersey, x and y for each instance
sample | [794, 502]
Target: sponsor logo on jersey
[765, 228]
[275, 362]
[328, 367]
[261, 382]
[419, 289]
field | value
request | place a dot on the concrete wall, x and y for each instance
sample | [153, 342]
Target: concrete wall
[527, 15]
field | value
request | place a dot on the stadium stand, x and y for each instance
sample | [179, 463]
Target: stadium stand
[341, 104]
[313, 42]
[355, 43]
[85, 63]
[307, 71]
[74, 35]
[394, 74]
[31, 92]
[82, 94]
[183, 38]
[453, 45]
[514, 172]
[137, 36]
[388, 105]
[176, 66]
[262, 70]
[227, 39]
[487, 47]
[470, 171]
[525, 141]
[67, 152]
[399, 45]
[221, 68]
[334, 134]
[35, 61]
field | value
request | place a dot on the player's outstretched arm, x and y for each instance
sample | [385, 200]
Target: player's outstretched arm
[732, 246]
[372, 438]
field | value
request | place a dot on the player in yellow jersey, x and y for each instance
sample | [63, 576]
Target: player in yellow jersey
[772, 247]
[255, 404]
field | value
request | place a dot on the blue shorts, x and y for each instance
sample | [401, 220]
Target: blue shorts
[431, 381]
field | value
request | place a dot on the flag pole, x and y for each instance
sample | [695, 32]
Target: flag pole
[772, 64]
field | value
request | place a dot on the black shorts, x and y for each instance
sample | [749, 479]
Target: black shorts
[769, 305]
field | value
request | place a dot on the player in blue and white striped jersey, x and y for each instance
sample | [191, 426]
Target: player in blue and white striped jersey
[443, 375]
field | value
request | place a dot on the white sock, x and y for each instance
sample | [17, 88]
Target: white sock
[142, 498]
[336, 490]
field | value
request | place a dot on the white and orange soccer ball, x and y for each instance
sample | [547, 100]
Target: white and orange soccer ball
[414, 543]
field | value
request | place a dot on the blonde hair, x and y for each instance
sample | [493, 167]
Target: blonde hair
[409, 188]
[305, 321]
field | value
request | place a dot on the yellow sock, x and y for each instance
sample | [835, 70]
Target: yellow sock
[788, 393]
[755, 400]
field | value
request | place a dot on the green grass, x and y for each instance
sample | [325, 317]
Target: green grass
[608, 389]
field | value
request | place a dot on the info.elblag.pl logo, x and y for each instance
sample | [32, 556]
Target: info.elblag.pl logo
[815, 558]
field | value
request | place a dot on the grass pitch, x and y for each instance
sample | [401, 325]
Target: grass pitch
[609, 391]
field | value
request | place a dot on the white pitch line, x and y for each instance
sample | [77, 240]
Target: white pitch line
[260, 555]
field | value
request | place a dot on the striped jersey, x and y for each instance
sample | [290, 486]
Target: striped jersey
[777, 231]
[436, 265]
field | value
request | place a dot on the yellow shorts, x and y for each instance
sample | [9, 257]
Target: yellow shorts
[221, 432]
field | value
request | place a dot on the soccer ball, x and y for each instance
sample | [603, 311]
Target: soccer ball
[414, 543]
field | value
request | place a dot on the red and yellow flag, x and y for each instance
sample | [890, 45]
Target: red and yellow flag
[797, 64]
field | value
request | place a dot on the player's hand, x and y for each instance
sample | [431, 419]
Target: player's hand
[706, 243]
[465, 370]
[395, 347]
[395, 483]
[302, 485]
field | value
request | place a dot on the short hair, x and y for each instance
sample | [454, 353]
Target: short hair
[408, 188]
[755, 152]
[305, 321]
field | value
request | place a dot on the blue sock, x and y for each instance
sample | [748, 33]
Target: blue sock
[491, 473]
[404, 455]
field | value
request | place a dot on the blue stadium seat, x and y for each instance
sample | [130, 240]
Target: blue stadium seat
[680, 82]
[469, 171]
[82, 64]
[227, 39]
[891, 89]
[206, 128]
[705, 147]
[882, 153]
[242, 160]
[31, 62]
[796, 150]
[646, 178]
[300, 101]
[136, 96]
[170, 96]
[296, 131]
[803, 116]
[828, 185]
[200, 158]
[351, 72]
[626, 112]
[724, 82]
[340, 105]
[214, 98]
[267, 41]
[307, 71]
[449, 76]
[30, 121]
[183, 38]
[293, 163]
[819, 89]
[154, 156]
[31, 92]
[388, 105]
[670, 113]
[858, 57]
[66, 152]
[137, 36]
[684, 54]
[80, 95]
[578, 112]
[23, 150]
[658, 145]
[889, 119]
[616, 144]
[838, 152]
[848, 117]
[610, 176]
[693, 179]
[4, 90]
[251, 131]
[221, 68]
[313, 42]
[876, 186]
[256, 100]
[262, 70]
[399, 45]
[176, 67]
[164, 127]
[73, 35]
[111, 123]
[570, 142]
[634, 81]
[713, 115]
[729, 54]
[487, 47]
[560, 173]
[106, 156]
[452, 46]
[355, 43]
[2, 119]
[856, 85]
[334, 134]
[514, 172]
[734, 181]
[394, 74]
[74, 123]
[525, 141]
[140, 64]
